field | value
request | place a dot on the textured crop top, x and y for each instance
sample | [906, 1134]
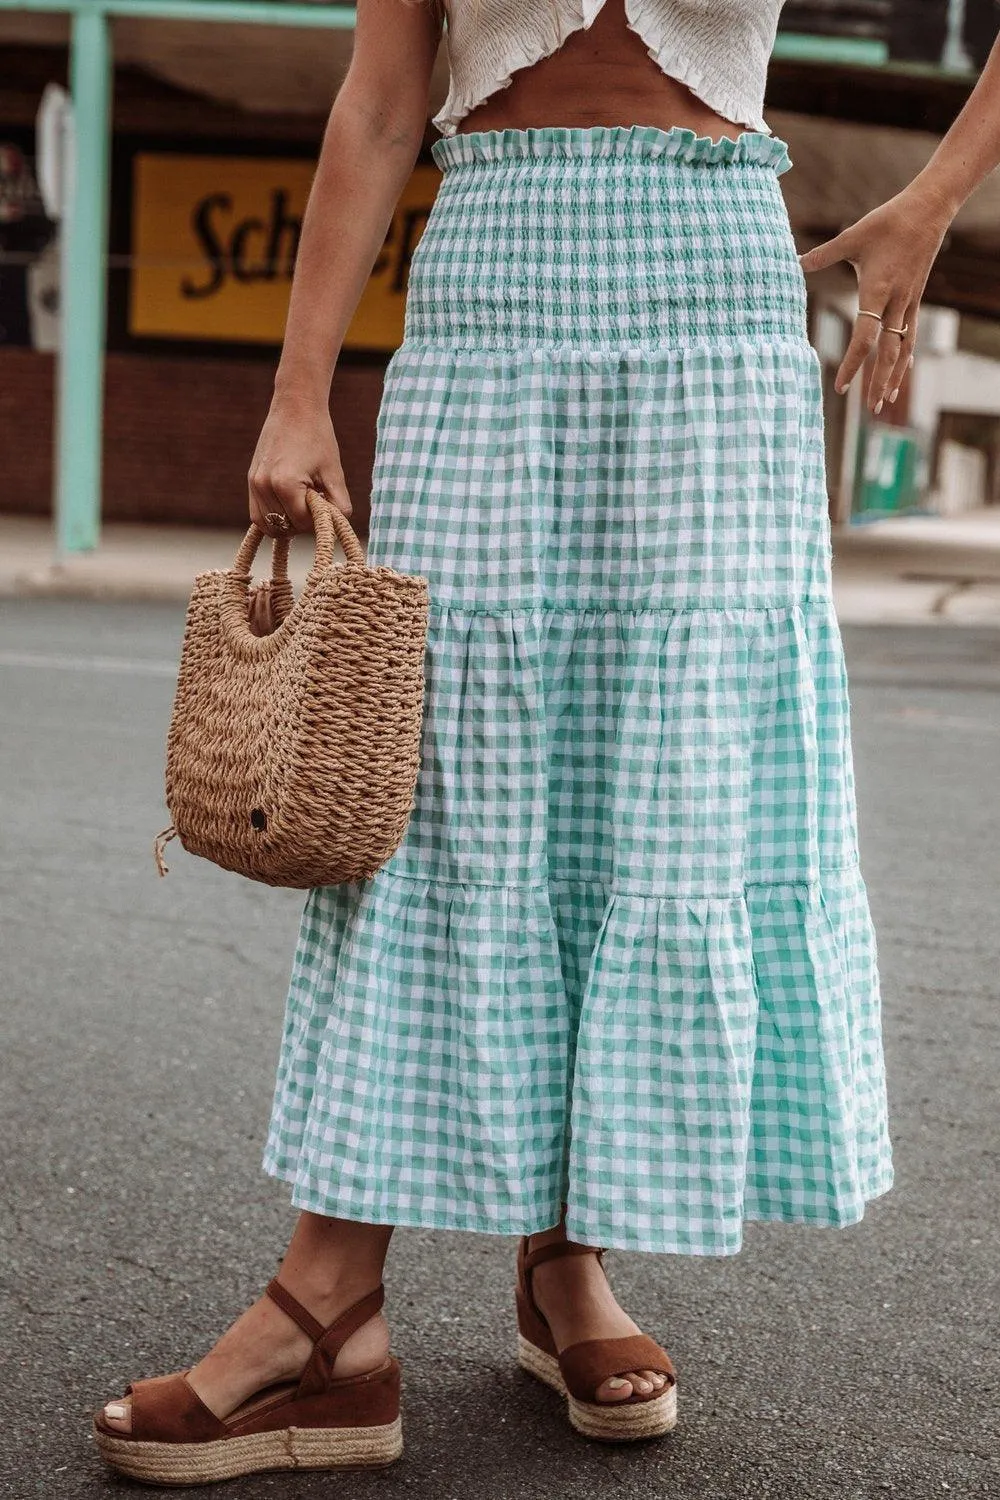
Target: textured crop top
[718, 48]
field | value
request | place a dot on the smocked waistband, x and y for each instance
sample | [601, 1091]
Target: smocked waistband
[605, 236]
[579, 142]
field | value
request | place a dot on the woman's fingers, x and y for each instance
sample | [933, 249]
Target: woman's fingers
[890, 342]
[263, 501]
[281, 495]
[334, 487]
[867, 326]
[289, 489]
[827, 254]
[296, 452]
[904, 358]
[891, 250]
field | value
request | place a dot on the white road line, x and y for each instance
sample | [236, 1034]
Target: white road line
[109, 664]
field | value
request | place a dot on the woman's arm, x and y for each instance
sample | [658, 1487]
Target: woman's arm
[893, 248]
[370, 145]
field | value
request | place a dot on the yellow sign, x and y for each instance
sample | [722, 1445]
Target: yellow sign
[214, 240]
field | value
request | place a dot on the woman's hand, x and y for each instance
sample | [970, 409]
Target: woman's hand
[892, 250]
[297, 450]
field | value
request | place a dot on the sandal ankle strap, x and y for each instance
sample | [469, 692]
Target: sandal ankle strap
[350, 1320]
[290, 1305]
[556, 1250]
[328, 1341]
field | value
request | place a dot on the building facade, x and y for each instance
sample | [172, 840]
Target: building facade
[215, 134]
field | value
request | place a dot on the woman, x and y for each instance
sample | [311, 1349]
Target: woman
[618, 985]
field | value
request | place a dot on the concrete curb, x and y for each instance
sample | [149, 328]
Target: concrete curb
[890, 573]
[865, 598]
[134, 564]
[65, 582]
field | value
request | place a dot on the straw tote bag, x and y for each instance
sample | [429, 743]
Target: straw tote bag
[292, 755]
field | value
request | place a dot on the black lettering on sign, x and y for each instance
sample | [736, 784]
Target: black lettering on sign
[227, 249]
[205, 234]
[237, 251]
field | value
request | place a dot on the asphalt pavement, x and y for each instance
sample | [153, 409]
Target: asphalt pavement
[139, 1032]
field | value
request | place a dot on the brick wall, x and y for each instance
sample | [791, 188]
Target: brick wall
[25, 430]
[179, 434]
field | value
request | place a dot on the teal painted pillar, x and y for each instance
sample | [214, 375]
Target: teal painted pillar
[80, 388]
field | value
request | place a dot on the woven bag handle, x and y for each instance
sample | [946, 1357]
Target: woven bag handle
[330, 525]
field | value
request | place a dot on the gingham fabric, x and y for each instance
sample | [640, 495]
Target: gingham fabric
[623, 958]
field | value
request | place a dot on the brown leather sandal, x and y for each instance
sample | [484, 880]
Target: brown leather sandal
[320, 1422]
[582, 1368]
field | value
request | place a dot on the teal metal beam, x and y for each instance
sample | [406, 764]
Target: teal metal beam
[259, 12]
[84, 232]
[84, 242]
[796, 46]
[80, 385]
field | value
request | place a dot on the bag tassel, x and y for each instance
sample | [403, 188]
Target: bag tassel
[159, 843]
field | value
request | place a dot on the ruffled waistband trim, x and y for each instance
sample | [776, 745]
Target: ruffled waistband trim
[582, 142]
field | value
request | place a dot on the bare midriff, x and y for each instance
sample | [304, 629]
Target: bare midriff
[601, 76]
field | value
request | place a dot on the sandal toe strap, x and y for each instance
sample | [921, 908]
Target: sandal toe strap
[166, 1409]
[587, 1365]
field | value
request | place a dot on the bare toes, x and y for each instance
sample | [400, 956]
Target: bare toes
[640, 1382]
[118, 1414]
[615, 1389]
[655, 1378]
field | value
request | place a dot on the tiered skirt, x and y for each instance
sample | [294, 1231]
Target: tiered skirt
[623, 959]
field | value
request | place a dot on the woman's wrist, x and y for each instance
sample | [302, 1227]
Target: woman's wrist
[303, 386]
[934, 192]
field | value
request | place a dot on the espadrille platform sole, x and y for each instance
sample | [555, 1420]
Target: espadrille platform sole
[578, 1371]
[177, 1464]
[322, 1421]
[605, 1420]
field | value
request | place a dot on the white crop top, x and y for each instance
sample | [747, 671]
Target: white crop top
[718, 48]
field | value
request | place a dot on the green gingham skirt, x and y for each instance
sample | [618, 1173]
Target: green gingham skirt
[623, 959]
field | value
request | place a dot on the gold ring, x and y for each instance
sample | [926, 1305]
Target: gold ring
[863, 314]
[901, 331]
